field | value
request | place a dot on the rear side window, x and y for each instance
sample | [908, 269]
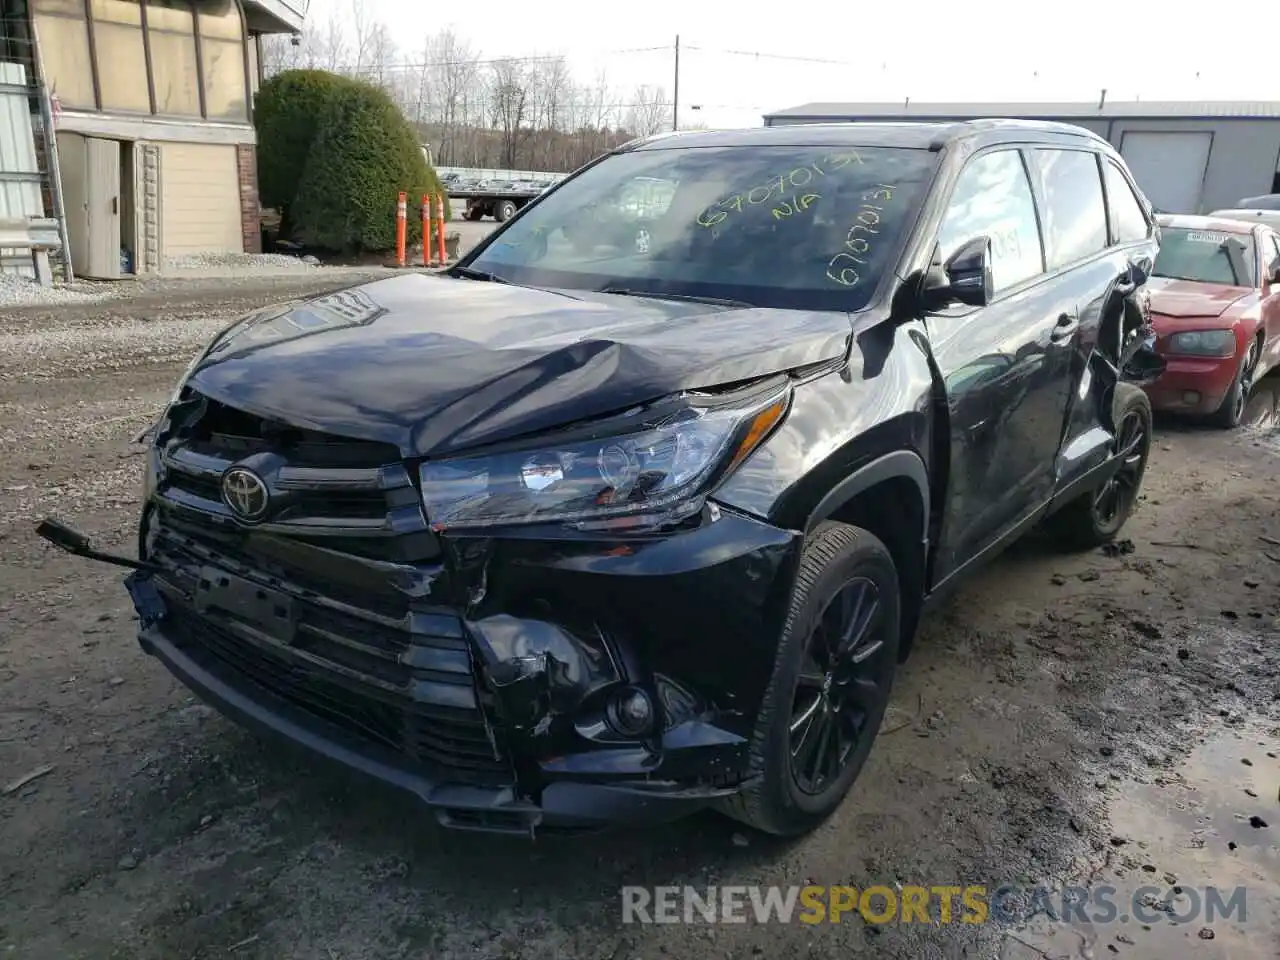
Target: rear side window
[1075, 216]
[993, 196]
[1127, 218]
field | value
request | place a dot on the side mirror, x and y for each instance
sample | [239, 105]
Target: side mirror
[965, 277]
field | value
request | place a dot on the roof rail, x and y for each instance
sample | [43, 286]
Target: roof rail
[1012, 123]
[633, 143]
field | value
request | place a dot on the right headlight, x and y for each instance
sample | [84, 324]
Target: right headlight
[658, 473]
[1203, 343]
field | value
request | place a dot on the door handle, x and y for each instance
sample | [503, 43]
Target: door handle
[115, 204]
[974, 432]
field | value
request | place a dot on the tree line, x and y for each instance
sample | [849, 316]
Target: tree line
[523, 113]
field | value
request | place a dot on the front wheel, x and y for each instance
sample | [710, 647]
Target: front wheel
[1229, 415]
[830, 685]
[1095, 517]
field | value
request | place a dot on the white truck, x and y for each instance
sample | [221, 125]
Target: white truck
[495, 193]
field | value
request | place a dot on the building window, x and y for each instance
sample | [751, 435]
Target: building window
[195, 49]
[222, 56]
[174, 68]
[122, 61]
[63, 36]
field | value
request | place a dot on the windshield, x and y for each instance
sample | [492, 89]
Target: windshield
[1206, 256]
[784, 226]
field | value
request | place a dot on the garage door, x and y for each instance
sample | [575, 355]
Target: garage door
[1169, 167]
[201, 199]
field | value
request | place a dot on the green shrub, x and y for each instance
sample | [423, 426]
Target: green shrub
[285, 114]
[333, 156]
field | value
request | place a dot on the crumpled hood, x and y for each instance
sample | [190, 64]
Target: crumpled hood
[1189, 298]
[434, 365]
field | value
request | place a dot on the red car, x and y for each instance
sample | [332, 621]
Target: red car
[1215, 305]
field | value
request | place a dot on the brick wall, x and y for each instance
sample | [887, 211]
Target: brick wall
[250, 215]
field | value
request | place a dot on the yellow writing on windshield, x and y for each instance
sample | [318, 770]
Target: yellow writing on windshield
[860, 238]
[777, 187]
[792, 205]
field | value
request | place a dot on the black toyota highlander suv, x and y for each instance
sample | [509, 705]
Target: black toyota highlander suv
[635, 510]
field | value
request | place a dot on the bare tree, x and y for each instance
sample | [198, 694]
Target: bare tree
[380, 66]
[452, 71]
[549, 87]
[515, 113]
[331, 44]
[280, 52]
[649, 113]
[508, 106]
[362, 23]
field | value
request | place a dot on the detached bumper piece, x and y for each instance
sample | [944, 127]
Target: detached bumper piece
[406, 686]
[404, 708]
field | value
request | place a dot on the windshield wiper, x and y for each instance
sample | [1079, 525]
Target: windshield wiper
[715, 301]
[471, 274]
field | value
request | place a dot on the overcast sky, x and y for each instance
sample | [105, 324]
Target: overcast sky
[988, 50]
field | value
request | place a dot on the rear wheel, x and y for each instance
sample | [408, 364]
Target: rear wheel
[830, 685]
[504, 210]
[1229, 415]
[1095, 517]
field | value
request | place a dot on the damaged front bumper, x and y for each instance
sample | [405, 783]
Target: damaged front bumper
[509, 684]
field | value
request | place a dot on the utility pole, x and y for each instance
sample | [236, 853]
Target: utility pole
[675, 99]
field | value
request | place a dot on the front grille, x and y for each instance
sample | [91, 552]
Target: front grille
[360, 653]
[348, 494]
[234, 434]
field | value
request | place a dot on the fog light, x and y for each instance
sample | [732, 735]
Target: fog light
[1190, 397]
[631, 713]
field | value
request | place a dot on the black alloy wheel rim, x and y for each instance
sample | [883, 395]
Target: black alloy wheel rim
[1241, 399]
[1118, 494]
[840, 688]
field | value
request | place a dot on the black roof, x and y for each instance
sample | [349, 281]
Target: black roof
[917, 134]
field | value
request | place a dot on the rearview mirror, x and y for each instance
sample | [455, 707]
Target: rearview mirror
[965, 277]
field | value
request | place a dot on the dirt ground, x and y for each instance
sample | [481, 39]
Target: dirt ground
[1066, 720]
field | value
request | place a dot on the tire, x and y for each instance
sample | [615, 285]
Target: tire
[504, 210]
[475, 213]
[840, 565]
[1231, 412]
[1094, 518]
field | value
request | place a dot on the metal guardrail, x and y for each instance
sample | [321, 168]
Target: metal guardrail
[38, 236]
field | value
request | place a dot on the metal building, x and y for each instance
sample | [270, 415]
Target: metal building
[1187, 157]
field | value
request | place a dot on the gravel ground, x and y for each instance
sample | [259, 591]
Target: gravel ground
[1071, 720]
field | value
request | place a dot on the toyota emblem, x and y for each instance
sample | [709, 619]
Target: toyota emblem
[245, 493]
